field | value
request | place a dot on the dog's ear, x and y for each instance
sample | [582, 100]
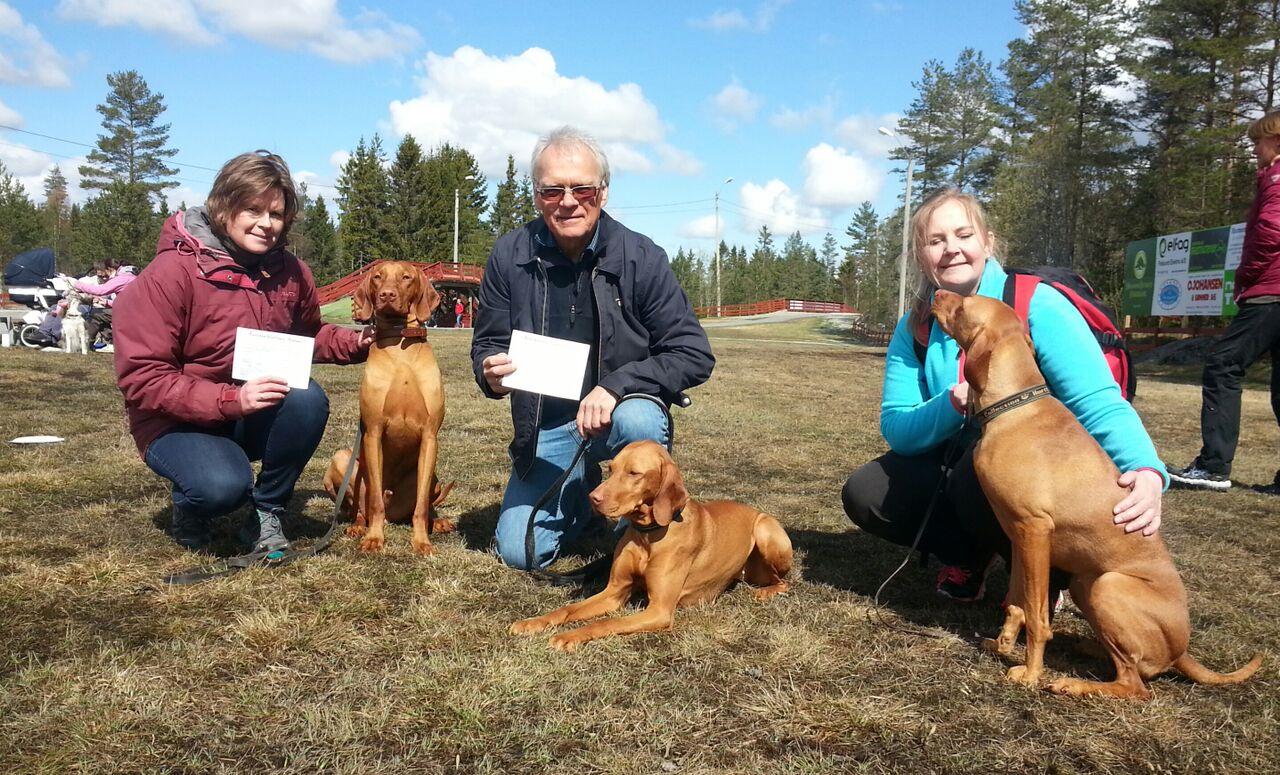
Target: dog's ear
[362, 299]
[672, 495]
[427, 299]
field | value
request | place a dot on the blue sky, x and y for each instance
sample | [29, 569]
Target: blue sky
[782, 96]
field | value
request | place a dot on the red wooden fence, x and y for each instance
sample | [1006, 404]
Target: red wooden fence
[438, 272]
[773, 305]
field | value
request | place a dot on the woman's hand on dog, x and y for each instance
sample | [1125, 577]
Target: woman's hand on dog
[262, 393]
[1140, 509]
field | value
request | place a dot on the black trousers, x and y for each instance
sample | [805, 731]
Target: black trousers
[1254, 331]
[99, 320]
[890, 496]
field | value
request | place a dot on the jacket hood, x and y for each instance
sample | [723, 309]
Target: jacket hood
[191, 229]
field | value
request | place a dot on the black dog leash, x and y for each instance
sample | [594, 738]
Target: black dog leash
[278, 557]
[600, 565]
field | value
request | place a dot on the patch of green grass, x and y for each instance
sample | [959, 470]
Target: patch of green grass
[821, 330]
[337, 311]
[394, 663]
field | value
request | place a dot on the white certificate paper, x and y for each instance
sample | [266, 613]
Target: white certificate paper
[271, 354]
[552, 367]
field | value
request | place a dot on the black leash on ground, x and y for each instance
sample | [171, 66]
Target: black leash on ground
[278, 557]
[599, 566]
[875, 614]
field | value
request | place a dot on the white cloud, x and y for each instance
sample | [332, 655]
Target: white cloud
[177, 18]
[734, 19]
[834, 178]
[792, 120]
[9, 116]
[312, 25]
[498, 106]
[37, 63]
[338, 159]
[734, 105]
[862, 132]
[678, 161]
[775, 205]
[702, 227]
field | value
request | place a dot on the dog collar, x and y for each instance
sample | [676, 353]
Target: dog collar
[1021, 398]
[402, 332]
[676, 517]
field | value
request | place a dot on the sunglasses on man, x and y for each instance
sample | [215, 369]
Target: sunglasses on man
[584, 194]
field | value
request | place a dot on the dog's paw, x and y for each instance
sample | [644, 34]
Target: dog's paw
[356, 531]
[442, 525]
[566, 642]
[764, 593]
[1061, 686]
[422, 548]
[1020, 675]
[372, 544]
[528, 626]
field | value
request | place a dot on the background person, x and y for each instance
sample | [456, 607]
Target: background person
[218, 267]
[114, 278]
[1254, 331]
[577, 274]
[924, 403]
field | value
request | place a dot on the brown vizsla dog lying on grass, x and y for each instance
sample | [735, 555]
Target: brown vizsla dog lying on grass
[677, 550]
[401, 407]
[1053, 489]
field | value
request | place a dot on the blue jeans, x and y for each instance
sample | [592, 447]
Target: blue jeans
[209, 467]
[570, 511]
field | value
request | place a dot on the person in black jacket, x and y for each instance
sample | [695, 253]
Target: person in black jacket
[577, 274]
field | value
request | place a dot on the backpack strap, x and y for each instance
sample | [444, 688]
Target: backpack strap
[1018, 290]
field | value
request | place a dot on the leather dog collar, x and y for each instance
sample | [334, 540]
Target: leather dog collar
[1021, 398]
[676, 517]
[402, 332]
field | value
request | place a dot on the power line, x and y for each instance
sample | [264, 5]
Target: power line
[89, 145]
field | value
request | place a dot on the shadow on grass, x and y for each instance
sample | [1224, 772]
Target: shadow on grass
[225, 530]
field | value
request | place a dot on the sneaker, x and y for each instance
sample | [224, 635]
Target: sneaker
[261, 529]
[1195, 476]
[964, 584]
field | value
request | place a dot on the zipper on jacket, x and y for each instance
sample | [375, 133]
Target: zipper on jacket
[542, 331]
[595, 271]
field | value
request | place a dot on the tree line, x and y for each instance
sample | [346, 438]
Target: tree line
[401, 209]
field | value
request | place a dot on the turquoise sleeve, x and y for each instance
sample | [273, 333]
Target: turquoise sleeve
[911, 420]
[1077, 373]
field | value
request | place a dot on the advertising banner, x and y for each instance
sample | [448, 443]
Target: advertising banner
[1191, 273]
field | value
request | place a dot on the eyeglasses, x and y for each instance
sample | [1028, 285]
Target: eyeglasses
[584, 194]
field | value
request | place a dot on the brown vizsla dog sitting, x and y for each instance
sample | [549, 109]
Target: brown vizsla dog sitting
[401, 407]
[677, 550]
[1053, 489]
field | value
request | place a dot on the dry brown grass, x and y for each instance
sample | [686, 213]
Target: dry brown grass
[393, 663]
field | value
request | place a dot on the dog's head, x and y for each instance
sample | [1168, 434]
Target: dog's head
[395, 291]
[644, 486]
[979, 324]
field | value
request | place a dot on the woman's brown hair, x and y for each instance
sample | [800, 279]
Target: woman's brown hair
[1267, 126]
[243, 179]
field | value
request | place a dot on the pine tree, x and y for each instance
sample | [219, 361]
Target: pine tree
[859, 274]
[20, 223]
[117, 225]
[829, 255]
[688, 271]
[55, 215]
[506, 214]
[408, 211]
[525, 209]
[134, 149]
[364, 192]
[449, 169]
[322, 241]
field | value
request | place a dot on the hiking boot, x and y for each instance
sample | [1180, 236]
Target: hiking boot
[189, 531]
[964, 583]
[1196, 477]
[261, 529]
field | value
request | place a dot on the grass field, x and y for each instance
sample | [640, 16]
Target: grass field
[394, 663]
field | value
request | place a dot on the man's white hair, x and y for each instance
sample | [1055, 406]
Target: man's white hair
[567, 137]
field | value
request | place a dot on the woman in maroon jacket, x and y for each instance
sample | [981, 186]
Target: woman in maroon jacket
[218, 267]
[1254, 330]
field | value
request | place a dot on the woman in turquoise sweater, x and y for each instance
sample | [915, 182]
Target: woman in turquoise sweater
[924, 403]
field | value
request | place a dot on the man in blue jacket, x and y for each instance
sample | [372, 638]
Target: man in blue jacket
[577, 274]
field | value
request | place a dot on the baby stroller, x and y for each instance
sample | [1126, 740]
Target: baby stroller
[31, 281]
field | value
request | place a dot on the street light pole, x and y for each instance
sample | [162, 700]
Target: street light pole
[455, 219]
[906, 230]
[726, 182]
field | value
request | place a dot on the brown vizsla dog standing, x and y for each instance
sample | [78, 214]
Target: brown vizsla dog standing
[1053, 489]
[677, 550]
[401, 407]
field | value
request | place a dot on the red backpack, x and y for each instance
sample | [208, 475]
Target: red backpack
[1021, 284]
